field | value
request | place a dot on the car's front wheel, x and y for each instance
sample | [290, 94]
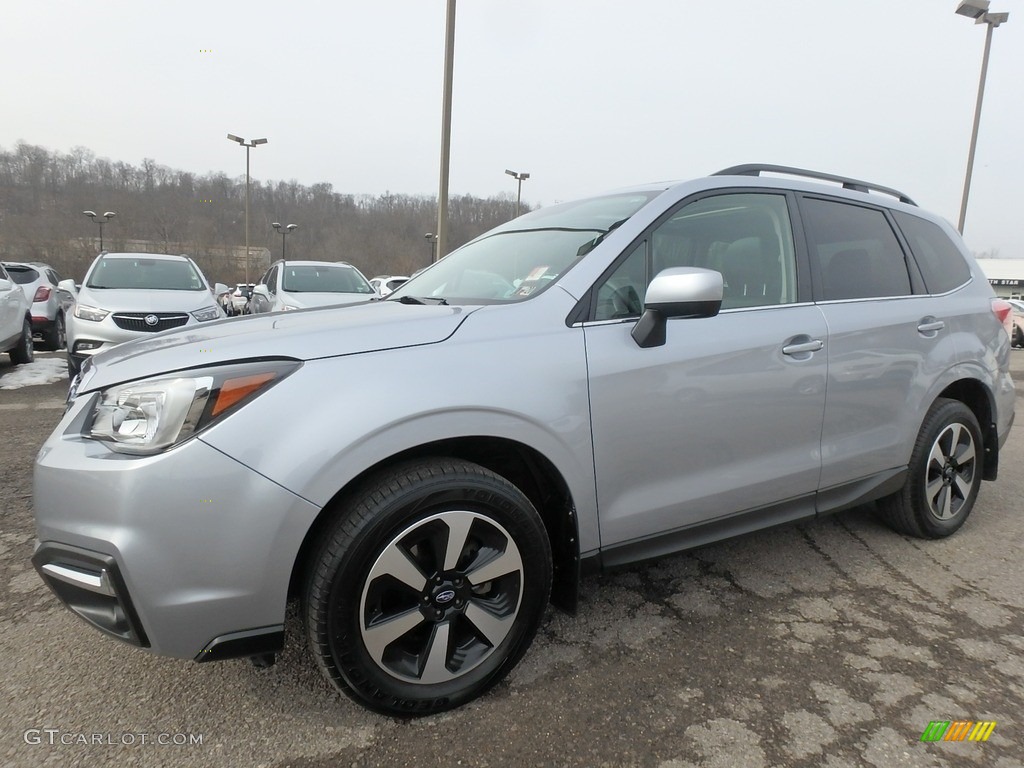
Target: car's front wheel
[944, 474]
[54, 336]
[428, 587]
[25, 351]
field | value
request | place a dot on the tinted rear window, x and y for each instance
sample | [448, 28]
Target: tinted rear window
[859, 254]
[941, 262]
[23, 275]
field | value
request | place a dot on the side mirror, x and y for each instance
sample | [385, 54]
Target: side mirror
[219, 288]
[261, 290]
[68, 286]
[5, 285]
[677, 292]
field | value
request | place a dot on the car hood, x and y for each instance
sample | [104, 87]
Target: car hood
[303, 335]
[145, 300]
[310, 299]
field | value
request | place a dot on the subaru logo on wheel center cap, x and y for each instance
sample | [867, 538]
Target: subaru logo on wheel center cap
[151, 319]
[445, 597]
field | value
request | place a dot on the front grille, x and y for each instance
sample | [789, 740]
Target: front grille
[136, 321]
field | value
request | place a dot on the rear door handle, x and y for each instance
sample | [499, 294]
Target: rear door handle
[807, 346]
[930, 325]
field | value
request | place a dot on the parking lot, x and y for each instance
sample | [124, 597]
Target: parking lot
[833, 643]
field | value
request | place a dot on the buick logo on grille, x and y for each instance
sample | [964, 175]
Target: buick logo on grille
[151, 320]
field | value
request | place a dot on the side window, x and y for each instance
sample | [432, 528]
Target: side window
[859, 254]
[622, 294]
[271, 280]
[941, 262]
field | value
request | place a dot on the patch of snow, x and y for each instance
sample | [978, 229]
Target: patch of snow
[42, 371]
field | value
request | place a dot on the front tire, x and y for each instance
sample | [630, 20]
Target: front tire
[944, 474]
[428, 587]
[55, 337]
[24, 353]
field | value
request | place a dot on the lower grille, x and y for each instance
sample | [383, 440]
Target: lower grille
[149, 322]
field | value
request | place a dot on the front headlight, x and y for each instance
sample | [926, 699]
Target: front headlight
[206, 313]
[85, 312]
[149, 416]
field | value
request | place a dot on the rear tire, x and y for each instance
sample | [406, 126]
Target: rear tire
[428, 587]
[24, 353]
[944, 474]
[55, 338]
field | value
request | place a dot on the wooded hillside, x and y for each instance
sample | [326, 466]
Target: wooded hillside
[43, 194]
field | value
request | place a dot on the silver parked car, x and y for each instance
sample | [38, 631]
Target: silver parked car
[49, 305]
[304, 284]
[126, 296]
[15, 321]
[595, 383]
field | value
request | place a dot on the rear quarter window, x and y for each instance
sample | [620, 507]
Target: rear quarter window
[942, 265]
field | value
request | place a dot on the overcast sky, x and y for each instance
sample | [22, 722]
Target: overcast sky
[585, 95]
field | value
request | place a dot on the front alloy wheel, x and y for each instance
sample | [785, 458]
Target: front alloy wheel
[428, 588]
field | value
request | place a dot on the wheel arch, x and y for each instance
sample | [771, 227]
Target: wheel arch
[978, 397]
[525, 467]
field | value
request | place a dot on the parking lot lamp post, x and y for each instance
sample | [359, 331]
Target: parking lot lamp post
[446, 129]
[248, 145]
[101, 220]
[431, 239]
[284, 231]
[520, 177]
[977, 10]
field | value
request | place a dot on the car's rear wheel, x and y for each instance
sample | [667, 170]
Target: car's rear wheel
[944, 474]
[1018, 336]
[55, 337]
[428, 587]
[25, 351]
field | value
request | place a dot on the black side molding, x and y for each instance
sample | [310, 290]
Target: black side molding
[250, 642]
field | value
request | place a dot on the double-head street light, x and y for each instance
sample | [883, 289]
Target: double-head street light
[977, 10]
[248, 145]
[520, 177]
[284, 232]
[101, 220]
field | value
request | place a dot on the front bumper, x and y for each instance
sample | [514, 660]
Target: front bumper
[188, 552]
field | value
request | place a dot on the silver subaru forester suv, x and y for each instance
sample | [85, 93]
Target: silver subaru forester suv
[591, 384]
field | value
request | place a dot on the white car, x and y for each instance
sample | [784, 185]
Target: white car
[15, 321]
[303, 284]
[385, 284]
[131, 295]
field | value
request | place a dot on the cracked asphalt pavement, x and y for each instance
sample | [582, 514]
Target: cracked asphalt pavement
[832, 643]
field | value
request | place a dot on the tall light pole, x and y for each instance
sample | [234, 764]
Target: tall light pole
[520, 177]
[248, 145]
[977, 10]
[100, 220]
[431, 239]
[446, 130]
[284, 232]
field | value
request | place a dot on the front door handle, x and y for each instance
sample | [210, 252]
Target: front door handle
[930, 325]
[804, 347]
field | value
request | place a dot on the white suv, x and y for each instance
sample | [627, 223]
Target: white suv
[15, 321]
[130, 295]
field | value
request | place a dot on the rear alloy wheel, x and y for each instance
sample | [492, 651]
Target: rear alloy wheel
[944, 474]
[430, 589]
[55, 337]
[25, 351]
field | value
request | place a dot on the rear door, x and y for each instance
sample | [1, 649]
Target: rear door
[726, 416]
[888, 341]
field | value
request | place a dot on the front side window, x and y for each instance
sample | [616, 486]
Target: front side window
[145, 274]
[271, 280]
[857, 250]
[523, 257]
[746, 237]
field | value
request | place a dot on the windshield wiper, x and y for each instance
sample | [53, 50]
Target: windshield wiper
[438, 300]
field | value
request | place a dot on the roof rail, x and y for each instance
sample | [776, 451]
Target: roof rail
[756, 169]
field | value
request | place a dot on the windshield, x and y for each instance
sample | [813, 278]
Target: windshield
[523, 257]
[324, 278]
[146, 274]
